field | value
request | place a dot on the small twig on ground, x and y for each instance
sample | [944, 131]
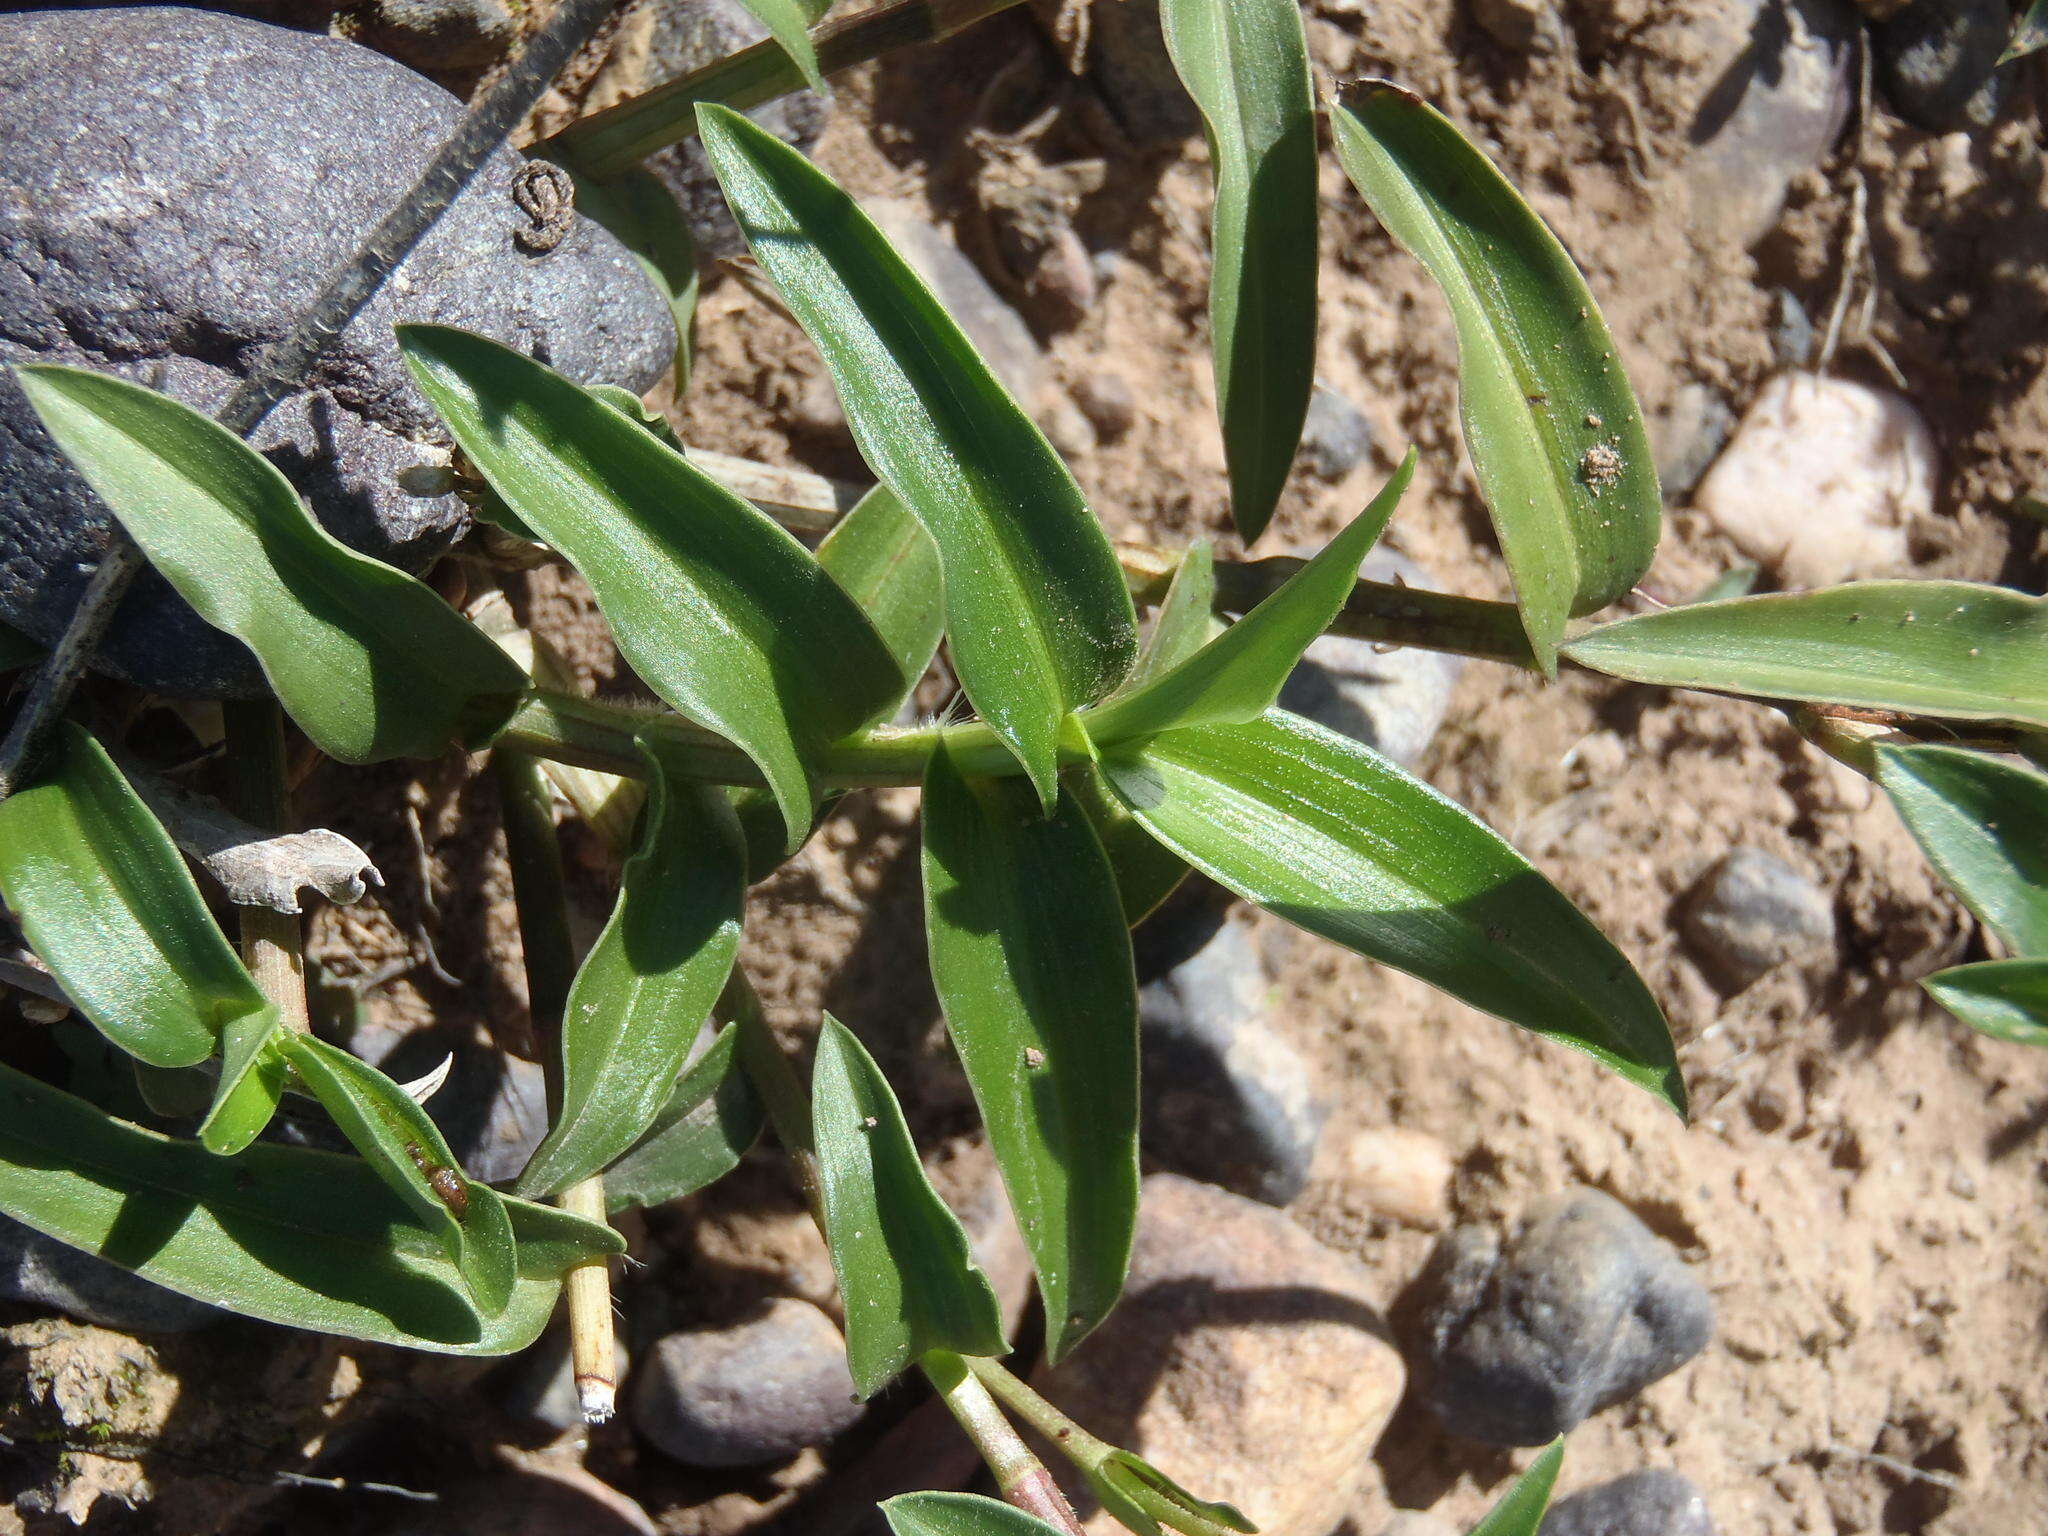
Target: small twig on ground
[356, 1485]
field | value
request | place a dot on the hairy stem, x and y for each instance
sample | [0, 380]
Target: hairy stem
[1021, 1476]
[607, 144]
[272, 942]
[538, 893]
[279, 367]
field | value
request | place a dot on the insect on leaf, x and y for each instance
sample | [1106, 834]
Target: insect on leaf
[1336, 839]
[724, 614]
[1946, 648]
[1037, 614]
[405, 1149]
[106, 901]
[1245, 62]
[648, 983]
[306, 1239]
[1237, 676]
[2005, 999]
[711, 1118]
[1554, 431]
[1984, 824]
[369, 662]
[1032, 960]
[903, 1260]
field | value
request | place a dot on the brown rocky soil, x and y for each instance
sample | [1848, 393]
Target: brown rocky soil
[1864, 1185]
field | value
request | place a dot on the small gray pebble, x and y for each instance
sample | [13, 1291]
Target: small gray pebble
[1688, 436]
[1227, 1100]
[1392, 701]
[1652, 1502]
[1128, 61]
[43, 1272]
[1335, 438]
[1936, 62]
[1106, 400]
[1792, 335]
[1523, 26]
[1751, 913]
[1777, 87]
[174, 186]
[439, 34]
[755, 1392]
[1522, 1339]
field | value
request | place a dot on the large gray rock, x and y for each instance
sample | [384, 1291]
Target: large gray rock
[1227, 1099]
[754, 1392]
[1523, 1338]
[1393, 701]
[1752, 912]
[174, 186]
[1652, 1502]
[687, 35]
[1937, 62]
[42, 1272]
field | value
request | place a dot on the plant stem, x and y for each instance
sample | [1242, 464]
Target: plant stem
[1020, 1476]
[279, 367]
[1074, 1442]
[607, 144]
[535, 855]
[273, 943]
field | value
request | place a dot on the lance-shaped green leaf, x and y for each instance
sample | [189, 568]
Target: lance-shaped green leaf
[1520, 1510]
[1331, 836]
[106, 901]
[1032, 961]
[1554, 431]
[959, 1514]
[1984, 824]
[1185, 620]
[305, 1239]
[711, 1118]
[1037, 612]
[647, 985]
[1238, 675]
[903, 1260]
[881, 555]
[1947, 648]
[724, 614]
[369, 662]
[2029, 34]
[643, 215]
[1245, 62]
[2006, 999]
[405, 1149]
[790, 23]
[253, 1073]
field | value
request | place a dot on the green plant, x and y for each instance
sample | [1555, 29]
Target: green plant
[1094, 773]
